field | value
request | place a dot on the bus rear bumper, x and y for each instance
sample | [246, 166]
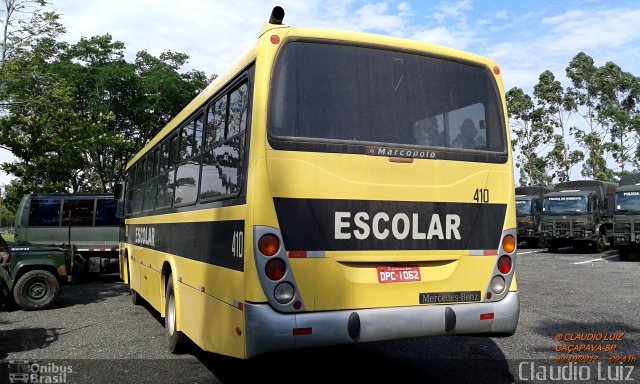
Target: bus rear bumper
[268, 330]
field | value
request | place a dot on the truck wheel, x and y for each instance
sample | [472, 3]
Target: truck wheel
[533, 243]
[36, 290]
[174, 337]
[601, 242]
[623, 254]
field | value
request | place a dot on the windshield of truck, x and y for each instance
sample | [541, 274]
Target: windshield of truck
[628, 202]
[565, 204]
[523, 207]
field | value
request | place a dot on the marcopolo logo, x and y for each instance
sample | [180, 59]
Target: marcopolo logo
[34, 372]
[397, 152]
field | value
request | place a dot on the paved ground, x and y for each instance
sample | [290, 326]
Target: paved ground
[102, 337]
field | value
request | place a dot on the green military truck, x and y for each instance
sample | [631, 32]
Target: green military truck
[627, 216]
[32, 273]
[528, 210]
[579, 214]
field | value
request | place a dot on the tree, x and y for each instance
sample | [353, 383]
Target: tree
[584, 76]
[556, 106]
[531, 137]
[619, 111]
[25, 21]
[79, 112]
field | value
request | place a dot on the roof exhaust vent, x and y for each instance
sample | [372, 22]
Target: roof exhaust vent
[276, 15]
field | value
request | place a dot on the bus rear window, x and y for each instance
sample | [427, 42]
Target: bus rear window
[349, 94]
[44, 213]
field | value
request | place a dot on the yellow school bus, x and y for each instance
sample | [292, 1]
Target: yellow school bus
[332, 187]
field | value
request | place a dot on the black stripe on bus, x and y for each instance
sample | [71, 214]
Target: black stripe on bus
[348, 225]
[334, 146]
[209, 242]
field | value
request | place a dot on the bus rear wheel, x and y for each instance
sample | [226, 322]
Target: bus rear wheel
[174, 337]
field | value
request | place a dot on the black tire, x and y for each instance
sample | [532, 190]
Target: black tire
[600, 243]
[175, 341]
[623, 254]
[553, 248]
[135, 298]
[36, 290]
[532, 243]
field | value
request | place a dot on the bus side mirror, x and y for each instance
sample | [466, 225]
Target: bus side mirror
[117, 191]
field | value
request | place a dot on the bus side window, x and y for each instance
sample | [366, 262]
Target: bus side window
[44, 213]
[130, 188]
[164, 198]
[188, 172]
[80, 211]
[150, 184]
[222, 160]
[106, 212]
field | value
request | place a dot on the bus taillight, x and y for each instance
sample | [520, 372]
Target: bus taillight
[269, 245]
[509, 243]
[275, 269]
[504, 264]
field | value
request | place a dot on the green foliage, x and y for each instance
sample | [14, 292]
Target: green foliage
[74, 114]
[531, 137]
[584, 77]
[556, 106]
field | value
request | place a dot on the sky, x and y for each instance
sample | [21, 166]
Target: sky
[524, 37]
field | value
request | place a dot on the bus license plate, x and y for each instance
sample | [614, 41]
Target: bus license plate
[388, 274]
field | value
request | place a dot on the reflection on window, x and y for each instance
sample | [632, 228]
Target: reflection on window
[238, 101]
[80, 212]
[221, 170]
[370, 95]
[216, 120]
[165, 190]
[187, 178]
[186, 142]
[44, 213]
[199, 126]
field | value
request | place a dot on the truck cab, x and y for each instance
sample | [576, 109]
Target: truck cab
[32, 273]
[578, 214]
[627, 216]
[528, 210]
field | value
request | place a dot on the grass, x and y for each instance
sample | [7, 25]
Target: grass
[8, 237]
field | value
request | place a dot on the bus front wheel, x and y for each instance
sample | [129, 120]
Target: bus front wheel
[174, 336]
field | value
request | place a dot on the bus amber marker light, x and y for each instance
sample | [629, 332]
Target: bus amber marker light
[268, 245]
[509, 243]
